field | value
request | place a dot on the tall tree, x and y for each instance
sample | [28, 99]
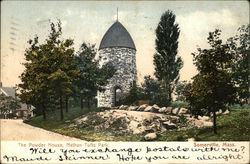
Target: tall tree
[167, 63]
[91, 78]
[63, 72]
[49, 71]
[240, 46]
[34, 83]
[212, 88]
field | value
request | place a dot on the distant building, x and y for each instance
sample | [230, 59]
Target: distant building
[117, 47]
[26, 110]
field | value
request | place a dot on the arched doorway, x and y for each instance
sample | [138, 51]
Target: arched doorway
[118, 96]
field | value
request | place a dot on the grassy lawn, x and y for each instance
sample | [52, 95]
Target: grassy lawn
[232, 127]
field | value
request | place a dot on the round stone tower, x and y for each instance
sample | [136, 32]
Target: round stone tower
[117, 47]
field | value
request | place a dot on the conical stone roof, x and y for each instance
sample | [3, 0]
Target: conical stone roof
[117, 36]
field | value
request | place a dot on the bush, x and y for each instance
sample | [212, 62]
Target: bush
[179, 104]
[151, 90]
[238, 106]
[99, 109]
[133, 96]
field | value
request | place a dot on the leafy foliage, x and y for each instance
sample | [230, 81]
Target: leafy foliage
[34, 87]
[150, 90]
[180, 90]
[154, 92]
[167, 63]
[8, 105]
[91, 78]
[212, 88]
[135, 94]
[240, 47]
[179, 104]
[49, 71]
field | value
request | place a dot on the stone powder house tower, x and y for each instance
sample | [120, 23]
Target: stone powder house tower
[117, 47]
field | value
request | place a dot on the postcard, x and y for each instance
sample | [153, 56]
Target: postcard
[124, 82]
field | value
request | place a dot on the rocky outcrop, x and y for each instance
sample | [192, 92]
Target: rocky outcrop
[142, 119]
[126, 121]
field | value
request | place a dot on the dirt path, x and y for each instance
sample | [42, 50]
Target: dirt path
[16, 130]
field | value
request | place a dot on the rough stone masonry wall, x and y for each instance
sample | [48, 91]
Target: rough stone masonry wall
[124, 60]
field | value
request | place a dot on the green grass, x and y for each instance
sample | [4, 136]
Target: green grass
[179, 104]
[53, 123]
[232, 127]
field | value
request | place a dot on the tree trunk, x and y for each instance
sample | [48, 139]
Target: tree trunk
[214, 122]
[66, 104]
[61, 108]
[88, 104]
[43, 111]
[169, 93]
[81, 99]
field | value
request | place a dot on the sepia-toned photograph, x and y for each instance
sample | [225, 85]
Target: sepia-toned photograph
[125, 71]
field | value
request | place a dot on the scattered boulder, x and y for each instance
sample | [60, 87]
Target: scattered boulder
[162, 110]
[208, 123]
[191, 139]
[150, 136]
[155, 108]
[123, 107]
[80, 120]
[174, 119]
[218, 112]
[204, 118]
[149, 130]
[226, 112]
[132, 108]
[142, 107]
[198, 123]
[187, 115]
[182, 111]
[148, 109]
[168, 110]
[175, 111]
[201, 123]
[169, 125]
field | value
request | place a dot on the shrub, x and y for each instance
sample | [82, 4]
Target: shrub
[179, 104]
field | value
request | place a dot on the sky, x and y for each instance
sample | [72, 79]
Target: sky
[87, 21]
